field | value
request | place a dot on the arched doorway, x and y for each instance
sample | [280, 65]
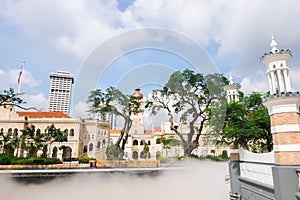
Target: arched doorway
[54, 152]
[135, 155]
[158, 155]
[67, 153]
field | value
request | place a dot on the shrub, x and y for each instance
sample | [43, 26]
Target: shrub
[6, 159]
[85, 159]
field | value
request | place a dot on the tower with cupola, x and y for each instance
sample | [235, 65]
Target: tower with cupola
[283, 106]
[137, 118]
[232, 90]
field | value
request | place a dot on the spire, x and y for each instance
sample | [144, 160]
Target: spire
[230, 79]
[273, 44]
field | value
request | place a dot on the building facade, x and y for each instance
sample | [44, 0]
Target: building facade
[60, 92]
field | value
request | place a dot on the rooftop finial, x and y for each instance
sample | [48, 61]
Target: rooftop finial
[273, 44]
[230, 79]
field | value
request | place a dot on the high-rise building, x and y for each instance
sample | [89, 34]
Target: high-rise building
[60, 92]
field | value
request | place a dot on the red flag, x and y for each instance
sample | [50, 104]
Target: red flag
[20, 74]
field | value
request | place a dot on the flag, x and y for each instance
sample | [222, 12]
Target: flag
[20, 74]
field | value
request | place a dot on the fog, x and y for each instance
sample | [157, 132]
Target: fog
[198, 180]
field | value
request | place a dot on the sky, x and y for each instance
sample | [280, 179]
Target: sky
[129, 43]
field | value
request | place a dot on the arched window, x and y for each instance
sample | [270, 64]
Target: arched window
[135, 142]
[66, 131]
[149, 155]
[72, 132]
[1, 131]
[91, 147]
[103, 143]
[99, 145]
[54, 152]
[142, 155]
[15, 132]
[142, 142]
[149, 142]
[9, 131]
[135, 155]
[85, 149]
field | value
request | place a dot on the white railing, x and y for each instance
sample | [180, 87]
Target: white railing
[257, 166]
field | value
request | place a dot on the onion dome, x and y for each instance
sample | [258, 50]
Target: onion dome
[137, 93]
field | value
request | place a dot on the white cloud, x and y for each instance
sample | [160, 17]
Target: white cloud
[255, 83]
[9, 78]
[37, 101]
[80, 110]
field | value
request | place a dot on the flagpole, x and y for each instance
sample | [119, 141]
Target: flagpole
[19, 78]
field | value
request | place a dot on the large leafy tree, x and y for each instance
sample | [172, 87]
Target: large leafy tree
[247, 124]
[114, 101]
[193, 98]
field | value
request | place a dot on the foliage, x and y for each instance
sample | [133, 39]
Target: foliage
[194, 98]
[170, 141]
[10, 99]
[8, 159]
[114, 152]
[247, 125]
[145, 150]
[114, 101]
[30, 140]
[85, 159]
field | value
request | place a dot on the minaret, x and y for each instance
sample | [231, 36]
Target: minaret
[232, 90]
[283, 107]
[277, 68]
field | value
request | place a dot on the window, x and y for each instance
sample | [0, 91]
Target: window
[149, 142]
[142, 142]
[72, 132]
[91, 147]
[85, 149]
[135, 142]
[99, 145]
[103, 143]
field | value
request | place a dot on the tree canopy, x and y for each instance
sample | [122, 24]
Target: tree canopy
[114, 101]
[247, 124]
[191, 96]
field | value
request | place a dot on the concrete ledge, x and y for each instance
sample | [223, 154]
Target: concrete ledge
[127, 163]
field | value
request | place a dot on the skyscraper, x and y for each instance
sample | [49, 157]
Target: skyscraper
[60, 92]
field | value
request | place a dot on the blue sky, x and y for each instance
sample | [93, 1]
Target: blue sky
[62, 35]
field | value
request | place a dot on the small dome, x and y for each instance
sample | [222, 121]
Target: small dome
[137, 93]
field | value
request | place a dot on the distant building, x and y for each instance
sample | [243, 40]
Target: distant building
[86, 137]
[60, 92]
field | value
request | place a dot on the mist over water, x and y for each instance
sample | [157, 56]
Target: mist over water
[198, 180]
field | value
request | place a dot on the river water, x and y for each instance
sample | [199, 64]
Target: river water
[196, 180]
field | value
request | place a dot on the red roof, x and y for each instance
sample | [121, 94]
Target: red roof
[115, 131]
[148, 132]
[43, 114]
[157, 129]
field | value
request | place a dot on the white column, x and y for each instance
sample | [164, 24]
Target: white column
[280, 80]
[273, 82]
[287, 80]
[270, 83]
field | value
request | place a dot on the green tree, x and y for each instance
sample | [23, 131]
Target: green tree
[247, 124]
[114, 101]
[194, 98]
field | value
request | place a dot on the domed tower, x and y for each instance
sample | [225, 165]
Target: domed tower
[137, 119]
[232, 90]
[283, 107]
